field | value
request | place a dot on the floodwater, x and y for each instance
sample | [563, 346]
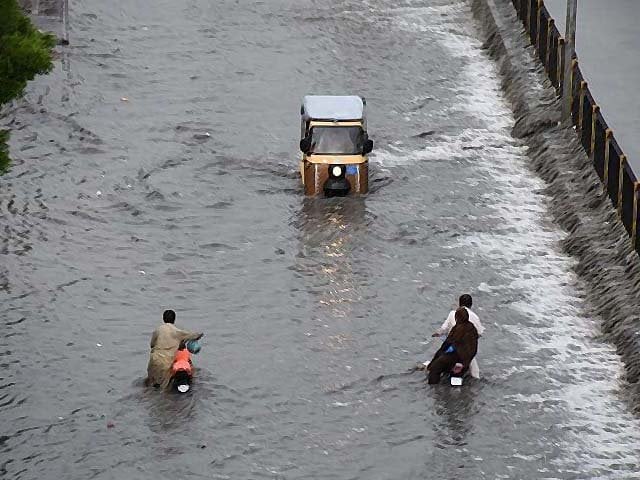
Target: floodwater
[187, 196]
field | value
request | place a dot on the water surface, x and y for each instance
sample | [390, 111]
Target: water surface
[186, 195]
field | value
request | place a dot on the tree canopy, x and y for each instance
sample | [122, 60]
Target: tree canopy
[4, 154]
[24, 51]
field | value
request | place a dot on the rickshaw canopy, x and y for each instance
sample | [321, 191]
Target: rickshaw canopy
[332, 107]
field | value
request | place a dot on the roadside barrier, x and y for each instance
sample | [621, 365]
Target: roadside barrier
[594, 134]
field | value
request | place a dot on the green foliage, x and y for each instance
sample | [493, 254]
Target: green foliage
[24, 51]
[4, 153]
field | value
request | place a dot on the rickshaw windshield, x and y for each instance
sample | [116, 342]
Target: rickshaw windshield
[337, 140]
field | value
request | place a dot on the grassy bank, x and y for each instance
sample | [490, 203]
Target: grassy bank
[24, 53]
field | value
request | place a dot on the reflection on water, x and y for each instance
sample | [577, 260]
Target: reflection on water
[169, 411]
[332, 235]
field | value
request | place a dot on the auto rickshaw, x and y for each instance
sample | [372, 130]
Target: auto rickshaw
[334, 145]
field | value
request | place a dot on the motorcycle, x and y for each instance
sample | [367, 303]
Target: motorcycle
[456, 374]
[182, 367]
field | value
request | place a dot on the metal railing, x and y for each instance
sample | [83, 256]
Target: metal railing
[596, 137]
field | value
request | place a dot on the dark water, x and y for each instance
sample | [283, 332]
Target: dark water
[315, 310]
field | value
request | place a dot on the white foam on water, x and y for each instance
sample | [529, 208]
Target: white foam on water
[601, 434]
[448, 148]
[476, 93]
[583, 373]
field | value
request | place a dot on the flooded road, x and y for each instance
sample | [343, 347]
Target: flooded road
[187, 196]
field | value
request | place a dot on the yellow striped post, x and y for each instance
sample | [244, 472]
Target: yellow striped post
[607, 140]
[594, 118]
[634, 224]
[623, 160]
[583, 90]
[550, 23]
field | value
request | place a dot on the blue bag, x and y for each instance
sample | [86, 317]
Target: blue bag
[193, 346]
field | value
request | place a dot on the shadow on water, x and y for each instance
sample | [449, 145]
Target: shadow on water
[456, 408]
[169, 410]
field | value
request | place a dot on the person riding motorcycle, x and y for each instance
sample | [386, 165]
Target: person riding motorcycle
[460, 346]
[464, 301]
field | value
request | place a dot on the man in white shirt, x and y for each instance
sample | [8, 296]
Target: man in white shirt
[465, 301]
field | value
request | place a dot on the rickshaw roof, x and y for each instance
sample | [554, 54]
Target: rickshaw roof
[332, 107]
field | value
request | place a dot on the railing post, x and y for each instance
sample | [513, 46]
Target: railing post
[530, 22]
[550, 23]
[574, 65]
[538, 18]
[569, 51]
[634, 223]
[583, 89]
[528, 26]
[560, 64]
[594, 117]
[623, 160]
[607, 141]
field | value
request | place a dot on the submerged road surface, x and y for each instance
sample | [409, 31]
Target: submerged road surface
[187, 196]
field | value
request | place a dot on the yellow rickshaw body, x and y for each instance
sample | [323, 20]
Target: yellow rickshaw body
[316, 169]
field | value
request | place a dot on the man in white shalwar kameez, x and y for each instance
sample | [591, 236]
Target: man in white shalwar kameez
[465, 301]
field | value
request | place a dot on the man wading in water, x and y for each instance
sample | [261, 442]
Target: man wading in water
[164, 343]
